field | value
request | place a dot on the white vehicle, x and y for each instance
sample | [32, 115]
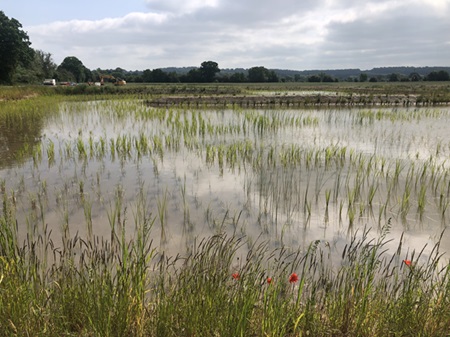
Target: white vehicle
[49, 82]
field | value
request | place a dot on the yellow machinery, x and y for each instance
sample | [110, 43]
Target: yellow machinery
[116, 81]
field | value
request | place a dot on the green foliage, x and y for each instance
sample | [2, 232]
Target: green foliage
[14, 47]
[394, 77]
[441, 75]
[42, 67]
[261, 74]
[208, 71]
[158, 76]
[72, 68]
[321, 77]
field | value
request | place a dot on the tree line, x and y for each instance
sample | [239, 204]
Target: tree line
[19, 63]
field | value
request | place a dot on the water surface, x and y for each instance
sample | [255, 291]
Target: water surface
[288, 176]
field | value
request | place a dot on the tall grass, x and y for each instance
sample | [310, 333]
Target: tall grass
[223, 286]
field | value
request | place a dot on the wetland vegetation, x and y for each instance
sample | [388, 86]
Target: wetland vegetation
[225, 210]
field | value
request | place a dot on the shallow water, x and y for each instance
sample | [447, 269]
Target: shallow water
[288, 176]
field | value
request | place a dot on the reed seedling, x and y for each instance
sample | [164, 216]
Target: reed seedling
[162, 214]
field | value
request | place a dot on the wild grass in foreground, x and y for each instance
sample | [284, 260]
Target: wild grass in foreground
[116, 287]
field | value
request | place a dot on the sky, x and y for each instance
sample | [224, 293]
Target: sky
[282, 34]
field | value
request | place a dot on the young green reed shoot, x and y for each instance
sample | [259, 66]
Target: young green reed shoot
[327, 198]
[404, 203]
[421, 202]
[51, 153]
[162, 214]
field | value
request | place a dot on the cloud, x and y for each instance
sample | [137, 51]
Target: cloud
[180, 7]
[320, 34]
[401, 34]
[440, 6]
[106, 24]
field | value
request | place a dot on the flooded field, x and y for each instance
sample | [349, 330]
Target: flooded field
[289, 176]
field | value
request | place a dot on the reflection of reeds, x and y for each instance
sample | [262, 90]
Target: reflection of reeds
[238, 154]
[162, 214]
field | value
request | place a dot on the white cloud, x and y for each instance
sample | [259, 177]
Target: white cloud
[441, 6]
[309, 34]
[180, 7]
[106, 24]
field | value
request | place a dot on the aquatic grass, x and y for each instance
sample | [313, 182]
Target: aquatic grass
[50, 153]
[422, 199]
[162, 215]
[371, 194]
[37, 154]
[405, 200]
[237, 154]
[109, 287]
[81, 149]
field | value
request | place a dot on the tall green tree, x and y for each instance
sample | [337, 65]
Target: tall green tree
[238, 77]
[45, 60]
[72, 65]
[441, 75]
[314, 78]
[40, 68]
[258, 74]
[394, 77]
[159, 76]
[156, 76]
[193, 76]
[14, 47]
[262, 74]
[208, 71]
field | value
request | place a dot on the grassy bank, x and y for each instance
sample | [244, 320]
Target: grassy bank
[115, 287]
[430, 93]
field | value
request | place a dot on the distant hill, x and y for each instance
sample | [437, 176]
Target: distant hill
[178, 70]
[341, 74]
[182, 74]
[405, 70]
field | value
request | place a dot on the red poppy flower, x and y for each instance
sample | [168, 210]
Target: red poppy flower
[236, 276]
[407, 262]
[269, 280]
[293, 278]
